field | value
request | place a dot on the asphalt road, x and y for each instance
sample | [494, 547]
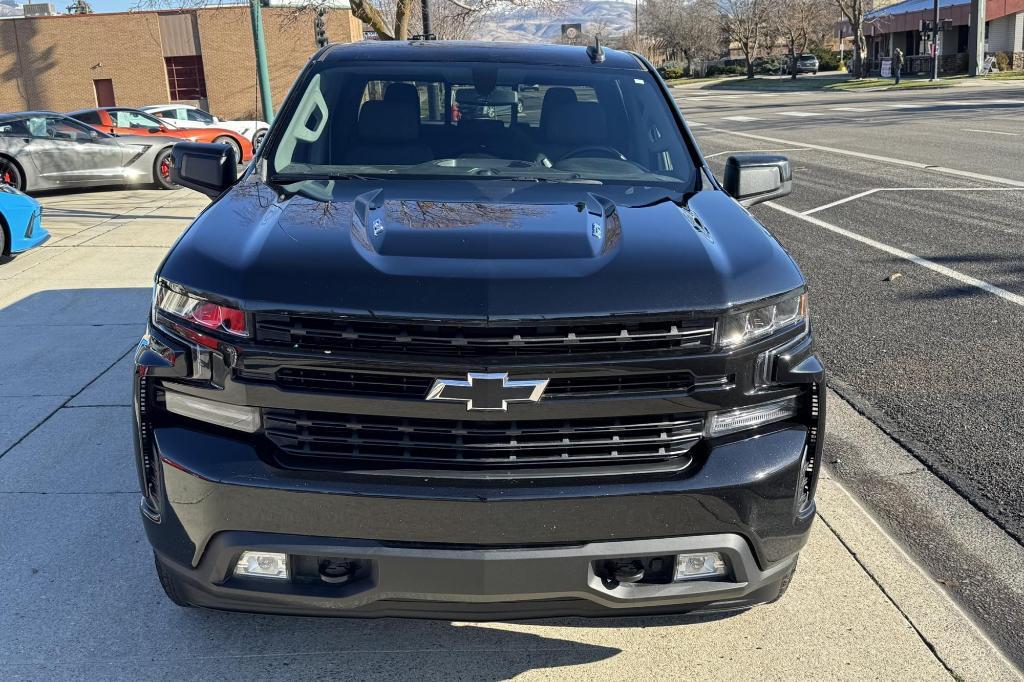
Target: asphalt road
[906, 220]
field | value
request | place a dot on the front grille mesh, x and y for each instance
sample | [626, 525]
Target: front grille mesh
[337, 381]
[325, 440]
[314, 333]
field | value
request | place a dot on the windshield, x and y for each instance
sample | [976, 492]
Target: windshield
[446, 120]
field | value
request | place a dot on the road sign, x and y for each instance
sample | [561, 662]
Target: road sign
[572, 32]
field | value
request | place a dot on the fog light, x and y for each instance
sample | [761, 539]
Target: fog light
[263, 565]
[693, 566]
[732, 421]
[239, 417]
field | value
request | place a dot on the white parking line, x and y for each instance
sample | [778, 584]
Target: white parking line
[754, 151]
[989, 132]
[694, 124]
[905, 255]
[816, 209]
[877, 157]
[800, 114]
[740, 118]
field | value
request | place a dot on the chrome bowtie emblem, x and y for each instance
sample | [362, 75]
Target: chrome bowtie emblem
[487, 391]
[378, 227]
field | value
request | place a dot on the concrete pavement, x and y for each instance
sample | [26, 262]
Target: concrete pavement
[79, 599]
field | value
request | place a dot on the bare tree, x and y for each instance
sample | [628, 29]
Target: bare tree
[747, 23]
[397, 19]
[691, 30]
[854, 11]
[801, 23]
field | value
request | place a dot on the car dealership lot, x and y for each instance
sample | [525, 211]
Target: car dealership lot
[78, 596]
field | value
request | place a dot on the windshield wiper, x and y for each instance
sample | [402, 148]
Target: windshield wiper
[289, 178]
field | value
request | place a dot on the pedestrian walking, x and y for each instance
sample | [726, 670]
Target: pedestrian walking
[897, 65]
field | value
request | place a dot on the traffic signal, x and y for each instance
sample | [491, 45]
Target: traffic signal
[320, 28]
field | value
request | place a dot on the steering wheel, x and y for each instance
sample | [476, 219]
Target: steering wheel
[608, 152]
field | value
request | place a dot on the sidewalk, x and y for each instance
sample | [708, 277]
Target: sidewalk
[79, 599]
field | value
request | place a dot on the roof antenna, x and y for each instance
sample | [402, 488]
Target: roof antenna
[595, 51]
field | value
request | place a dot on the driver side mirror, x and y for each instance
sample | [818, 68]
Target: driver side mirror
[205, 167]
[753, 178]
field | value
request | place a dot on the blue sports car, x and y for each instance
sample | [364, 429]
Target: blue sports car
[21, 225]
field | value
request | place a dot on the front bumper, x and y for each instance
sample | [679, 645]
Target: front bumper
[476, 552]
[469, 584]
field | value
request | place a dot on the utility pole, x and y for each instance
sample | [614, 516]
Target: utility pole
[425, 7]
[262, 74]
[935, 43]
[976, 38]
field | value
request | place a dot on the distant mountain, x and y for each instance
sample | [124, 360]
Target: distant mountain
[612, 17]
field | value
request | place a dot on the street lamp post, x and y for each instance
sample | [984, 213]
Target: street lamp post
[935, 43]
[262, 74]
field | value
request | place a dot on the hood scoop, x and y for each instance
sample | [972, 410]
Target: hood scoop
[484, 230]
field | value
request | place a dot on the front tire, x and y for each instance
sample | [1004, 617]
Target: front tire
[257, 139]
[10, 174]
[162, 170]
[171, 587]
[231, 142]
[784, 585]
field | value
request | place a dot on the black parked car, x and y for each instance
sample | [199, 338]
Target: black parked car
[413, 366]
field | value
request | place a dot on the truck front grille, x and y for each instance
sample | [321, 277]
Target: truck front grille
[350, 335]
[389, 385]
[332, 441]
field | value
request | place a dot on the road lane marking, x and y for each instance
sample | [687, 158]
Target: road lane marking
[989, 132]
[904, 106]
[877, 157]
[839, 202]
[740, 118]
[857, 109]
[800, 114]
[905, 255]
[755, 151]
[694, 124]
[909, 189]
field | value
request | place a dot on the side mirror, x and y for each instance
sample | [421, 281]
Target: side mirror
[216, 120]
[154, 130]
[753, 178]
[205, 167]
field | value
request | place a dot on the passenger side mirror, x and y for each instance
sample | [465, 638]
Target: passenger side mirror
[753, 178]
[154, 130]
[205, 167]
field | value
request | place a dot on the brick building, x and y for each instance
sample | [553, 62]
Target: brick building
[203, 56]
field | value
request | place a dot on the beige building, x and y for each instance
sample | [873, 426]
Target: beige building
[204, 57]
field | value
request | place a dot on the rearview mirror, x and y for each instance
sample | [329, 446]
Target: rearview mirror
[205, 167]
[753, 178]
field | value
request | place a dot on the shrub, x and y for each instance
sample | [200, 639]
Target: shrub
[718, 70]
[827, 59]
[672, 71]
[1002, 61]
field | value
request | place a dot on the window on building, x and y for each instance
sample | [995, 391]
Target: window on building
[185, 77]
[104, 92]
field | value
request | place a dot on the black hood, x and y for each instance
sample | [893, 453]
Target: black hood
[482, 250]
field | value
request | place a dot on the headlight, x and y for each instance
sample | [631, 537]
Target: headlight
[197, 310]
[738, 329]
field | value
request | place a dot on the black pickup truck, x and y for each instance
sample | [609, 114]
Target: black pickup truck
[521, 358]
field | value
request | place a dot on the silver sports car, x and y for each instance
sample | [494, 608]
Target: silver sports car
[46, 150]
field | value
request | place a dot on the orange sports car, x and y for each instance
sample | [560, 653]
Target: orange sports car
[125, 121]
